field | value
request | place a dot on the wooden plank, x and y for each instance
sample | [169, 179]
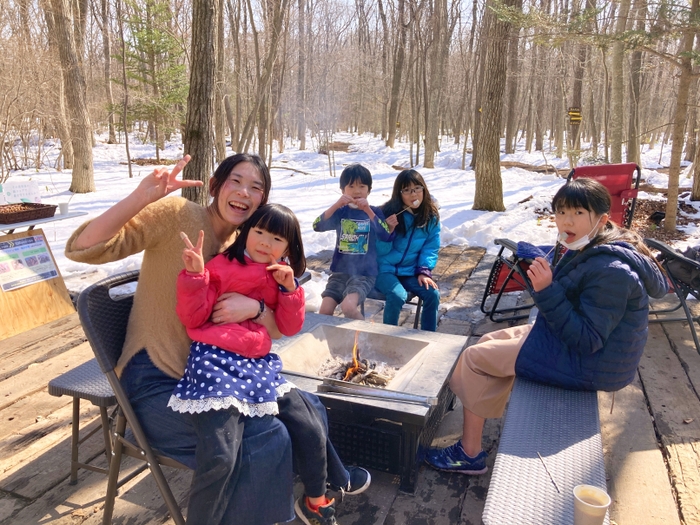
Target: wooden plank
[30, 410]
[636, 473]
[16, 358]
[676, 410]
[39, 458]
[37, 376]
[36, 304]
[456, 274]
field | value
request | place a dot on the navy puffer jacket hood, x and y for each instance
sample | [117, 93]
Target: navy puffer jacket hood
[591, 328]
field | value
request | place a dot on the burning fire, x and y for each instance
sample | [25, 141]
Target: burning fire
[355, 359]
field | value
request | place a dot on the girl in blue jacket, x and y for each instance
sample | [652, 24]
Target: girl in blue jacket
[590, 330]
[406, 262]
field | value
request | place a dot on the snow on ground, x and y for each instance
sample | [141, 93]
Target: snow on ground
[311, 189]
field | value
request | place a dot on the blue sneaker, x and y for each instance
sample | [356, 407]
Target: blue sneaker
[454, 459]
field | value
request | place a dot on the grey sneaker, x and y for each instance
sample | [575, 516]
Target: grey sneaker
[325, 515]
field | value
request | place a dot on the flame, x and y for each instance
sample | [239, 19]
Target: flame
[355, 359]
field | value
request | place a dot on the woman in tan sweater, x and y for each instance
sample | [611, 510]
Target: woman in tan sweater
[256, 487]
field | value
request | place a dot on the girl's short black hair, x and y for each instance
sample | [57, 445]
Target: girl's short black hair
[278, 220]
[583, 193]
[355, 172]
[427, 210]
[224, 170]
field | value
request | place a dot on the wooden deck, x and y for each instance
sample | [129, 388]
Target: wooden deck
[651, 439]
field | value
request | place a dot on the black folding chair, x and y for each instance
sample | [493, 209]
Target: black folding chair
[678, 269]
[104, 320]
[86, 382]
[412, 299]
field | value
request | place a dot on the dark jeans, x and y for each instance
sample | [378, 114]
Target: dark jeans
[261, 491]
[396, 289]
[309, 435]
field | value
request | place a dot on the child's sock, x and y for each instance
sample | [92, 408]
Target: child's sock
[313, 507]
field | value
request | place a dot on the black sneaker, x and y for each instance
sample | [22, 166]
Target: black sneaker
[325, 515]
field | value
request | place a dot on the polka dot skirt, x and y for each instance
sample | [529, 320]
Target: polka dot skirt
[217, 379]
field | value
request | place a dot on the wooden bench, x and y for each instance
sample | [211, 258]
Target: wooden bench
[550, 443]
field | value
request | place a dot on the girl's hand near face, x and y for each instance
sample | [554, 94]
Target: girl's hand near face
[426, 282]
[192, 255]
[540, 274]
[392, 221]
[282, 274]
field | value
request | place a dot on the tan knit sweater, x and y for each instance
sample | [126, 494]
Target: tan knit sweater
[153, 323]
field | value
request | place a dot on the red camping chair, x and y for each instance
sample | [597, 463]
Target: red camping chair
[509, 272]
[620, 181]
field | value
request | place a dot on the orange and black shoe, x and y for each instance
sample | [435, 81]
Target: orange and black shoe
[324, 515]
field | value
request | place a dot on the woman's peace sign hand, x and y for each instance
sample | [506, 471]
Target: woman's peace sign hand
[192, 255]
[160, 182]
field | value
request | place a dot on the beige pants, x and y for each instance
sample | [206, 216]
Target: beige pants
[484, 374]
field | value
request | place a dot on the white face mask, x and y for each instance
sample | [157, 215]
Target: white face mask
[583, 241]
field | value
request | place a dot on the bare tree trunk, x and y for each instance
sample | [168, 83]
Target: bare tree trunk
[399, 56]
[301, 78]
[617, 92]
[219, 115]
[61, 120]
[441, 35]
[107, 53]
[488, 194]
[275, 33]
[686, 71]
[199, 137]
[125, 102]
[513, 71]
[82, 180]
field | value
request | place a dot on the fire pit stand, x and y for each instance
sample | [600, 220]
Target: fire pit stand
[388, 435]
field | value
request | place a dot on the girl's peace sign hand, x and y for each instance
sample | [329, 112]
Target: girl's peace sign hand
[160, 182]
[282, 274]
[192, 255]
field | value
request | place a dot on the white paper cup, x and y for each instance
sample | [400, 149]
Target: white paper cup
[63, 208]
[590, 505]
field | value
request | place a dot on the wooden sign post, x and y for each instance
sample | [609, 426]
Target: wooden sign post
[32, 291]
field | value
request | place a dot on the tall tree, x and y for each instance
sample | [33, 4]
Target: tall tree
[685, 64]
[616, 92]
[82, 180]
[199, 134]
[301, 78]
[488, 194]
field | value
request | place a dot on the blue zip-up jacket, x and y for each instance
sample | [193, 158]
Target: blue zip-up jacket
[411, 254]
[592, 324]
[356, 239]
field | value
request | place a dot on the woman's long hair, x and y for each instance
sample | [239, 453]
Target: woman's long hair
[278, 220]
[591, 195]
[426, 212]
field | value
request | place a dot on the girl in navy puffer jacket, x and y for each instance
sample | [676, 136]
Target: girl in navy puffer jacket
[589, 333]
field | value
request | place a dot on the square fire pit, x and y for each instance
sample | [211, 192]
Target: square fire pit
[389, 434]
